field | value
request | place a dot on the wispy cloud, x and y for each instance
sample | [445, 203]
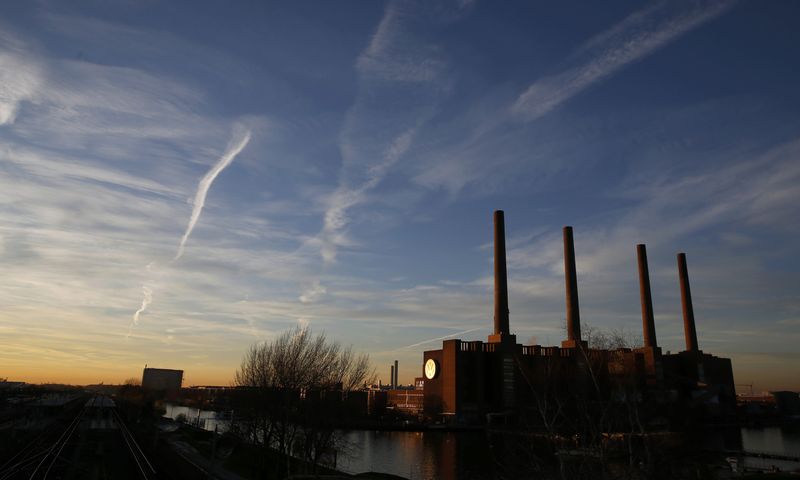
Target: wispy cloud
[388, 56]
[314, 293]
[378, 131]
[497, 124]
[18, 82]
[634, 38]
[19, 79]
[345, 198]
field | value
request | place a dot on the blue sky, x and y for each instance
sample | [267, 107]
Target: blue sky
[353, 153]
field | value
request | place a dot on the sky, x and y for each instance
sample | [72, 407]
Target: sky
[180, 180]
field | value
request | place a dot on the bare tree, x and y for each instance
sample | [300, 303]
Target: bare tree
[608, 339]
[292, 388]
[583, 420]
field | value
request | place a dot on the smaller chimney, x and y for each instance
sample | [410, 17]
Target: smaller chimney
[571, 277]
[648, 320]
[500, 276]
[391, 377]
[501, 333]
[689, 330]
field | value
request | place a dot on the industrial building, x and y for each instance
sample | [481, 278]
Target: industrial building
[474, 381]
[162, 379]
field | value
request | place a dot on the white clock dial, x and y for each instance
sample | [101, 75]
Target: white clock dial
[431, 369]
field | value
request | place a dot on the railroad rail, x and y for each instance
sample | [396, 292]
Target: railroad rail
[146, 469]
[38, 451]
[40, 458]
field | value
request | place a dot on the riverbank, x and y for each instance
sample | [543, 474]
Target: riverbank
[187, 452]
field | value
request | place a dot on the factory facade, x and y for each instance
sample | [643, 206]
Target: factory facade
[472, 381]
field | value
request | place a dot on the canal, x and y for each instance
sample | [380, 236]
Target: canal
[463, 455]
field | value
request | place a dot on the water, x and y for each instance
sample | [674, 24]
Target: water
[465, 455]
[418, 455]
[771, 440]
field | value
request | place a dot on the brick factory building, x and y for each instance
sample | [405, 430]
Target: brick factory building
[470, 382]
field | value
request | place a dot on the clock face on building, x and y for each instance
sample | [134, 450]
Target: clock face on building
[431, 369]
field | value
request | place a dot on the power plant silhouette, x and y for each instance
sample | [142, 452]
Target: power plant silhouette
[475, 381]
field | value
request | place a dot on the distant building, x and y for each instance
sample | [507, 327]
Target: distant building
[406, 400]
[763, 398]
[782, 403]
[162, 379]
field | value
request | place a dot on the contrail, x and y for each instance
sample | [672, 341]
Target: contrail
[440, 338]
[147, 298]
[234, 148]
[634, 38]
[241, 137]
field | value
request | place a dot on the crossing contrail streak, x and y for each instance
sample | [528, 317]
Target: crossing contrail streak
[440, 338]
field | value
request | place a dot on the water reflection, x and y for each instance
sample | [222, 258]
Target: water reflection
[466, 455]
[776, 440]
[419, 455]
[771, 440]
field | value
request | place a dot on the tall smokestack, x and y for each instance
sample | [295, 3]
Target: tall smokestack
[500, 276]
[648, 320]
[391, 377]
[686, 300]
[396, 375]
[573, 311]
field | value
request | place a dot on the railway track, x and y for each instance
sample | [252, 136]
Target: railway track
[29, 460]
[46, 455]
[146, 469]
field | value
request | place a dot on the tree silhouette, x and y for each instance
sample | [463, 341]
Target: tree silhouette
[292, 390]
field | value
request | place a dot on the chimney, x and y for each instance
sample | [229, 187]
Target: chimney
[686, 301]
[396, 375]
[573, 311]
[648, 320]
[500, 276]
[391, 377]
